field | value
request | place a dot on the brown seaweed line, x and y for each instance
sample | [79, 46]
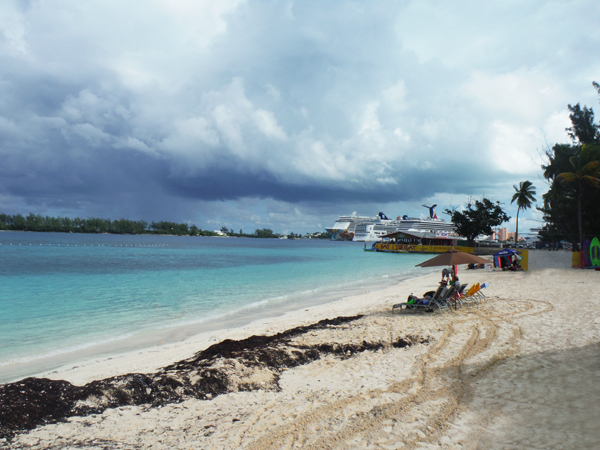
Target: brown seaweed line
[32, 401]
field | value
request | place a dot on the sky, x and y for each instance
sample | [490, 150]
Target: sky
[284, 114]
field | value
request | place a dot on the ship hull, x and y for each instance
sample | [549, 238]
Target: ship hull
[344, 227]
[341, 235]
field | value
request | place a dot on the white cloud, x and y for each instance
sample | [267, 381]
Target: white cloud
[523, 96]
[555, 125]
[86, 134]
[513, 149]
[266, 123]
[12, 29]
[134, 144]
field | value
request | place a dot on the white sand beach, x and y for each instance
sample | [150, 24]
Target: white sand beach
[520, 371]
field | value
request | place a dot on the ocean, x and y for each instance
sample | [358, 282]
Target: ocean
[64, 296]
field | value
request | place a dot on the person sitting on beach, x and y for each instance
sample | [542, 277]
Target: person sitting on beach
[515, 266]
[447, 284]
[454, 280]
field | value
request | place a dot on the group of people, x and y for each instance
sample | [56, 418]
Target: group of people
[449, 278]
[511, 263]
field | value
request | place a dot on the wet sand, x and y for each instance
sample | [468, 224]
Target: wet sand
[520, 371]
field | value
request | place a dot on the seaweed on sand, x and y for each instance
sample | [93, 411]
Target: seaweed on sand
[221, 368]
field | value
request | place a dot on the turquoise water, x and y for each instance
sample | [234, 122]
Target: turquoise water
[63, 293]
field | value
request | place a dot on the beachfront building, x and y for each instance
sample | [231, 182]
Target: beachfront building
[417, 242]
[501, 234]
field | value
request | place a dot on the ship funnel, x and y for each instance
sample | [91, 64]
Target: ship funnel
[432, 213]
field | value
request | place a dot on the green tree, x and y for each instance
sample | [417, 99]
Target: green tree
[586, 170]
[33, 222]
[265, 233]
[560, 202]
[524, 196]
[583, 130]
[569, 211]
[477, 218]
[18, 222]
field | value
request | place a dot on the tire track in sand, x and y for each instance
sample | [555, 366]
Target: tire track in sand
[426, 402]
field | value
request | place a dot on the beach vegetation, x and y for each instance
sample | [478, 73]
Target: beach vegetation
[586, 171]
[570, 207]
[265, 233]
[479, 217]
[583, 130]
[524, 196]
[39, 223]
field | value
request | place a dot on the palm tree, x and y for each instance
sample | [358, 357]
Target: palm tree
[587, 170]
[524, 196]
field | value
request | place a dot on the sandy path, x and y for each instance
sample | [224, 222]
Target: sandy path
[520, 371]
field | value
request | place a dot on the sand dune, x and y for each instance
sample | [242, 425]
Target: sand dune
[520, 371]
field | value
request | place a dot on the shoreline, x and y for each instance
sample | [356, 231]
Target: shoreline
[490, 377]
[140, 352]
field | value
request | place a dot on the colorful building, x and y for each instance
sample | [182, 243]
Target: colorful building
[417, 242]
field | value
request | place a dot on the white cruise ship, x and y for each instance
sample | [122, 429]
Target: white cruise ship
[374, 231]
[344, 227]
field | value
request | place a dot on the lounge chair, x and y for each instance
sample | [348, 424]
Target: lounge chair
[459, 295]
[470, 297]
[415, 304]
[472, 290]
[477, 296]
[447, 299]
[480, 293]
[429, 302]
[423, 303]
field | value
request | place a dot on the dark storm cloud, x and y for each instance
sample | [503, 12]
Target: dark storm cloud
[191, 107]
[228, 185]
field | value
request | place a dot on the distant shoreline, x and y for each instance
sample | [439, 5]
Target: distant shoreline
[94, 225]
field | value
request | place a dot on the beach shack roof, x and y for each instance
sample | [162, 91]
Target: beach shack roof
[415, 234]
[507, 252]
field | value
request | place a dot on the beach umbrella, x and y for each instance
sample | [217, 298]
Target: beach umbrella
[452, 258]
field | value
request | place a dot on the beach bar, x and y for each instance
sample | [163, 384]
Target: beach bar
[418, 242]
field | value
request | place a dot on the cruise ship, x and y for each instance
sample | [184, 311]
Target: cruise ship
[375, 230]
[344, 227]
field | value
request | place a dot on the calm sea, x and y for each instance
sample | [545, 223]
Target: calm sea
[65, 293]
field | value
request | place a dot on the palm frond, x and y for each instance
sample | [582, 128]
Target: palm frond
[592, 180]
[590, 152]
[574, 160]
[567, 177]
[591, 167]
